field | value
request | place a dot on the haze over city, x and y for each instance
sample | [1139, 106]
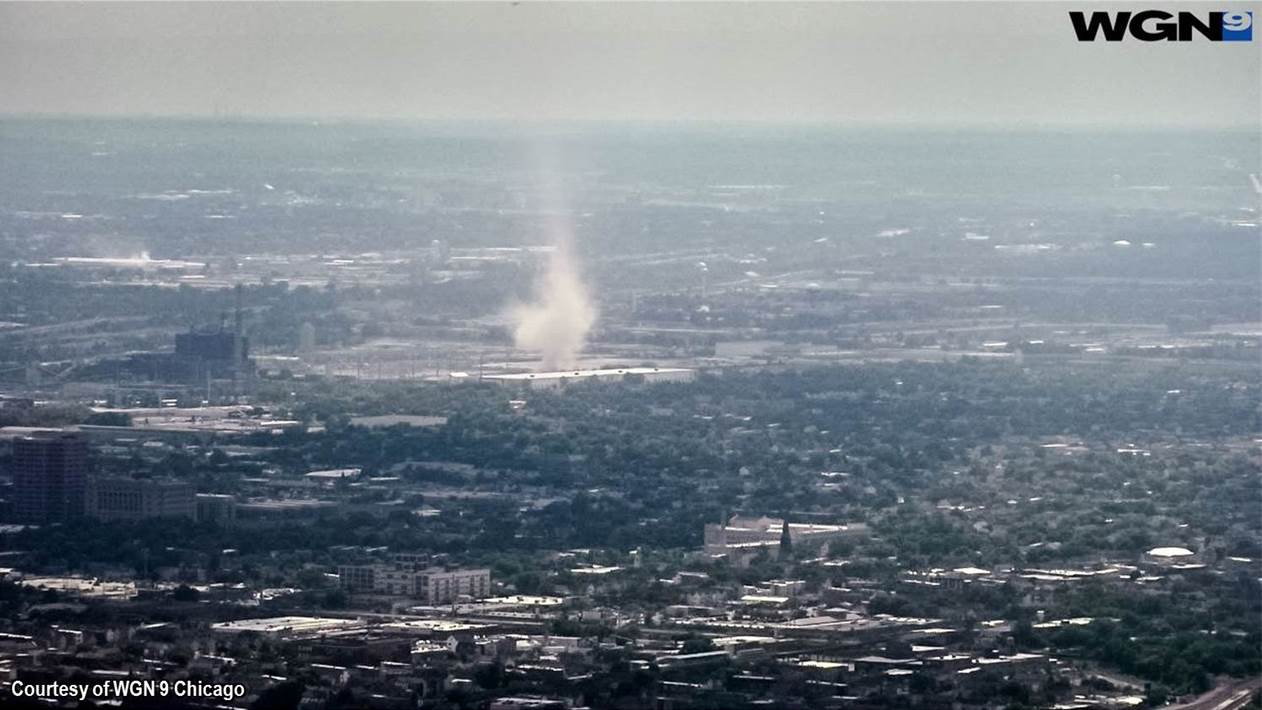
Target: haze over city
[914, 62]
[644, 356]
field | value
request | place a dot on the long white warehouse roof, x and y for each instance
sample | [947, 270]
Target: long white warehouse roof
[562, 374]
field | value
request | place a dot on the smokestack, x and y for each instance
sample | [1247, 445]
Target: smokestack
[236, 316]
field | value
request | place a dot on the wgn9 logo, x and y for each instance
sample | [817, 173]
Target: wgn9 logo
[1162, 26]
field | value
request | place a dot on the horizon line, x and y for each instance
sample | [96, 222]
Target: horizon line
[316, 120]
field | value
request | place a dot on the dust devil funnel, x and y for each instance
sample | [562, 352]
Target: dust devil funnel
[556, 323]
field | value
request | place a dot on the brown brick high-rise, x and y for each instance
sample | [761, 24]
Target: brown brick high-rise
[49, 477]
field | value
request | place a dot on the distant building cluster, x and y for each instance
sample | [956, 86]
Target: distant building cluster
[742, 538]
[199, 355]
[52, 484]
[409, 576]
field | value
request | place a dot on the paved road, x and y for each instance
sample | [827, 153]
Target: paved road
[1231, 696]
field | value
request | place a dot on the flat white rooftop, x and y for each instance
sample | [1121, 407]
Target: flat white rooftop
[432, 626]
[285, 624]
[522, 600]
[612, 372]
[335, 473]
[1170, 552]
[594, 569]
[82, 587]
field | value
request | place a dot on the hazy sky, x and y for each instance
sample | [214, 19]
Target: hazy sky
[1006, 63]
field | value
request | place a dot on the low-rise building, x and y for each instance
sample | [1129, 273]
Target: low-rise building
[216, 507]
[110, 498]
[407, 576]
[743, 534]
[439, 586]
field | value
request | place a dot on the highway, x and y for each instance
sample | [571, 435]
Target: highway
[1231, 696]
